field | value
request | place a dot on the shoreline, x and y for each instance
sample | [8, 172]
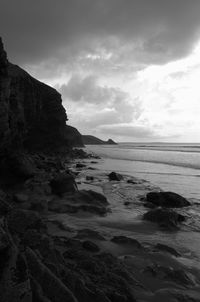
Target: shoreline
[182, 180]
[127, 218]
[85, 234]
[138, 230]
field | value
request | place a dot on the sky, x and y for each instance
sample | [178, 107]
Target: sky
[127, 69]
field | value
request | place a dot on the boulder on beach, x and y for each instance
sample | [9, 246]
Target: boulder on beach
[88, 233]
[131, 181]
[89, 178]
[80, 165]
[168, 249]
[167, 199]
[90, 246]
[126, 240]
[63, 183]
[115, 176]
[164, 217]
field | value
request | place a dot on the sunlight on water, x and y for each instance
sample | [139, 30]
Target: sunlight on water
[169, 166]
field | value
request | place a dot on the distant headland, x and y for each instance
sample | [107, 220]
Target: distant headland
[92, 140]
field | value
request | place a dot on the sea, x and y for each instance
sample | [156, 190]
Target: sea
[171, 166]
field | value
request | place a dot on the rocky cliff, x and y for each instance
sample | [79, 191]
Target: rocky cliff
[31, 113]
[73, 137]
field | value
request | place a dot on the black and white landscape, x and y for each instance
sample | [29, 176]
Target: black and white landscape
[99, 151]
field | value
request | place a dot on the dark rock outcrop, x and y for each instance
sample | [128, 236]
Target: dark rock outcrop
[168, 249]
[31, 113]
[115, 176]
[167, 199]
[126, 241]
[164, 217]
[88, 233]
[80, 165]
[91, 246]
[63, 183]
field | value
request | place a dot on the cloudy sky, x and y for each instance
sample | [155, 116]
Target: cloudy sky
[127, 69]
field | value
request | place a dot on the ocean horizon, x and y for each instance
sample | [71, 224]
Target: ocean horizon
[171, 166]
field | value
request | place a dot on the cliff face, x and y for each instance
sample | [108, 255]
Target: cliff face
[4, 99]
[73, 137]
[31, 113]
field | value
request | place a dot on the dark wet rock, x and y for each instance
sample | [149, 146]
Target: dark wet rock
[88, 233]
[89, 178]
[20, 197]
[115, 176]
[168, 249]
[167, 199]
[61, 225]
[126, 240]
[21, 220]
[83, 200]
[52, 287]
[92, 197]
[63, 183]
[91, 246]
[74, 173]
[131, 181]
[149, 205]
[80, 165]
[164, 217]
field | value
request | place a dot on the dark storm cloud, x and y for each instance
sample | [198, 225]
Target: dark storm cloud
[86, 90]
[157, 30]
